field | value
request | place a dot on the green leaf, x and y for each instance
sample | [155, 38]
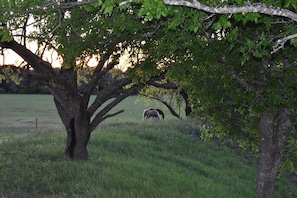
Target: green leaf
[107, 7]
[232, 34]
[6, 36]
[293, 42]
[217, 26]
[247, 17]
[223, 23]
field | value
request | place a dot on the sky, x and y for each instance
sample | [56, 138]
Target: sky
[9, 57]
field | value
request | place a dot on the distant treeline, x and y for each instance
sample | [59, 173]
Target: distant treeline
[13, 81]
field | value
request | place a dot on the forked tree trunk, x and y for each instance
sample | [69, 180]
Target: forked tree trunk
[77, 124]
[71, 105]
[78, 135]
[274, 133]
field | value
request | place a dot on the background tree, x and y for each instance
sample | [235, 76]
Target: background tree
[170, 95]
[169, 98]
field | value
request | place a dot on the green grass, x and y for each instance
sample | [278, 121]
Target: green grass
[129, 160]
[128, 157]
[18, 113]
[21, 111]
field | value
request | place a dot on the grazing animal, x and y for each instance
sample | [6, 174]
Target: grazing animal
[147, 113]
[160, 112]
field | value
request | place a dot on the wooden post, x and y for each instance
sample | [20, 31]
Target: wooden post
[36, 123]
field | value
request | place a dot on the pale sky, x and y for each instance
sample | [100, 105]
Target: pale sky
[11, 58]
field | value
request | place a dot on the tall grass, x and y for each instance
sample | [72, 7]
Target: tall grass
[164, 159]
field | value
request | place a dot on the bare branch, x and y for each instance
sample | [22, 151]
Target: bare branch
[167, 85]
[254, 8]
[105, 94]
[172, 111]
[113, 114]
[125, 2]
[62, 5]
[50, 5]
[281, 42]
[259, 8]
[25, 29]
[102, 115]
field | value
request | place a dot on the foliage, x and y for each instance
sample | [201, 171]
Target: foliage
[231, 67]
[78, 30]
[146, 160]
[8, 73]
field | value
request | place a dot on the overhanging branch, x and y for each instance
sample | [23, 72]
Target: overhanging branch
[259, 8]
[172, 111]
[281, 42]
[253, 8]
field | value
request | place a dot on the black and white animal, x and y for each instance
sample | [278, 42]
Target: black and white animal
[160, 112]
[147, 113]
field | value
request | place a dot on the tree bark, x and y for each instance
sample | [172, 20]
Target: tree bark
[188, 109]
[275, 130]
[77, 123]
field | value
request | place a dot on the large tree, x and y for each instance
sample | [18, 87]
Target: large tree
[77, 30]
[237, 60]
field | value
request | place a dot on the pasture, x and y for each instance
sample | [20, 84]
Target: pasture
[21, 111]
[128, 157]
[18, 113]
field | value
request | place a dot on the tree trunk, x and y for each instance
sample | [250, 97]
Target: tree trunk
[188, 108]
[77, 123]
[78, 135]
[274, 132]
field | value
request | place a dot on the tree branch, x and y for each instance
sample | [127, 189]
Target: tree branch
[259, 8]
[106, 94]
[113, 114]
[281, 42]
[32, 59]
[172, 111]
[167, 85]
[254, 8]
[34, 75]
[102, 115]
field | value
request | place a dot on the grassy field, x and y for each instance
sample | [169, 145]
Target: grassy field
[19, 112]
[127, 159]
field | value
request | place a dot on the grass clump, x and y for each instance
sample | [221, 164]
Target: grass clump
[129, 160]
